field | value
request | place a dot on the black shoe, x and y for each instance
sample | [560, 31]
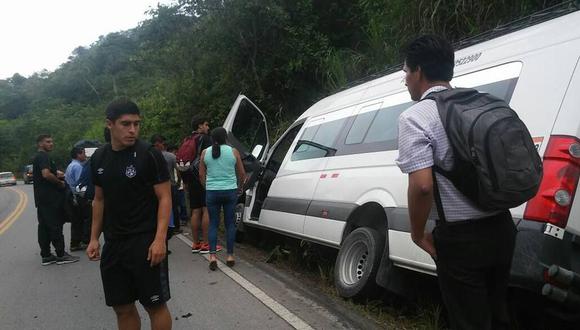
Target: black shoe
[78, 247]
[213, 265]
[48, 260]
[230, 263]
[66, 259]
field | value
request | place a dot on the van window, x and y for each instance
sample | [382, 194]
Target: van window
[282, 148]
[378, 130]
[385, 127]
[318, 141]
[374, 130]
[360, 127]
[249, 128]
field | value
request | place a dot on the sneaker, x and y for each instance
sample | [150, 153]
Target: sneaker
[48, 260]
[78, 247]
[66, 259]
[205, 248]
[196, 247]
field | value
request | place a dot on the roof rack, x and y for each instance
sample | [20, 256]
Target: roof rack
[538, 17]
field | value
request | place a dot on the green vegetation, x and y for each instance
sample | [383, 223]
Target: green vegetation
[195, 57]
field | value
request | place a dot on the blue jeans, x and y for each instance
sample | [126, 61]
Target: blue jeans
[216, 199]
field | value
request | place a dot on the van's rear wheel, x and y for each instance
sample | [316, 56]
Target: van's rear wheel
[357, 263]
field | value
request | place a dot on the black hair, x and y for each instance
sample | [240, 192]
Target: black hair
[107, 135]
[42, 137]
[157, 138]
[171, 147]
[75, 151]
[218, 137]
[433, 54]
[121, 106]
[198, 120]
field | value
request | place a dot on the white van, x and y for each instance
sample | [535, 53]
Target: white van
[331, 178]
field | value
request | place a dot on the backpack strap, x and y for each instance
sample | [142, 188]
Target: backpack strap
[437, 196]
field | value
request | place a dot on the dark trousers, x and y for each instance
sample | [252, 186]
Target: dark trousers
[473, 265]
[75, 214]
[87, 218]
[175, 208]
[50, 221]
[181, 207]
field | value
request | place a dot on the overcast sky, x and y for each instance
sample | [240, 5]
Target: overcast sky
[41, 34]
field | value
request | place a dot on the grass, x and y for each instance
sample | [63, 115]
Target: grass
[314, 264]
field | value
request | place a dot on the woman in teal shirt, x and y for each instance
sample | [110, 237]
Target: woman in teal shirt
[222, 173]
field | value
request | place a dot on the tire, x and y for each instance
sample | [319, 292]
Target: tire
[357, 262]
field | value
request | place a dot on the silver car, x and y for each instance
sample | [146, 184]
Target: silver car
[7, 179]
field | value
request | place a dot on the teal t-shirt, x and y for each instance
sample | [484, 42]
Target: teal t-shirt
[221, 172]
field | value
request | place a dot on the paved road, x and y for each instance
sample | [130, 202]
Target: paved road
[71, 297]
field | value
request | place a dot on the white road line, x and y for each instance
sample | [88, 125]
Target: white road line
[276, 307]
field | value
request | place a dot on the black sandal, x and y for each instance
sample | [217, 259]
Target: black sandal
[213, 265]
[230, 263]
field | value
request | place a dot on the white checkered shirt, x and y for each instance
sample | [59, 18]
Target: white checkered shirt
[422, 144]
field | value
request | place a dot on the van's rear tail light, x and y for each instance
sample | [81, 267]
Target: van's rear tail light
[554, 199]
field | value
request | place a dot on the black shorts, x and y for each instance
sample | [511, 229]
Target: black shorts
[196, 195]
[127, 275]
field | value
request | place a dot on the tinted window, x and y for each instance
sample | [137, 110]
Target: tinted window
[379, 130]
[318, 141]
[385, 127]
[503, 89]
[360, 127]
[248, 129]
[282, 148]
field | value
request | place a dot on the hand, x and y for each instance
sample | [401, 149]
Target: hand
[157, 252]
[60, 174]
[93, 250]
[427, 244]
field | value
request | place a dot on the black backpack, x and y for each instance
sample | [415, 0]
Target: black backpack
[496, 164]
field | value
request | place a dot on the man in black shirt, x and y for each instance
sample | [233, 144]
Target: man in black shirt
[196, 191]
[131, 207]
[49, 201]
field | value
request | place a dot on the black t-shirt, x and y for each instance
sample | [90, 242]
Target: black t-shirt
[46, 193]
[127, 178]
[204, 142]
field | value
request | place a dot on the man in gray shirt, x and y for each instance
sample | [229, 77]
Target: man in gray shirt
[471, 247]
[159, 142]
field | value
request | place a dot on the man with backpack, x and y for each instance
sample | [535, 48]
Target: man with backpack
[188, 156]
[474, 237]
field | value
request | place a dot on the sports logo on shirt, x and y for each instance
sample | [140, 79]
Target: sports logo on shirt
[130, 171]
[100, 170]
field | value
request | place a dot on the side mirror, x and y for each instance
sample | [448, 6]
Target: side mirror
[257, 150]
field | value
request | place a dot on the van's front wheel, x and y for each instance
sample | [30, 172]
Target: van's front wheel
[357, 263]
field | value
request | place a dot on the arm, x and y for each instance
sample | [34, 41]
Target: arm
[420, 197]
[158, 248]
[202, 169]
[48, 176]
[97, 226]
[240, 171]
